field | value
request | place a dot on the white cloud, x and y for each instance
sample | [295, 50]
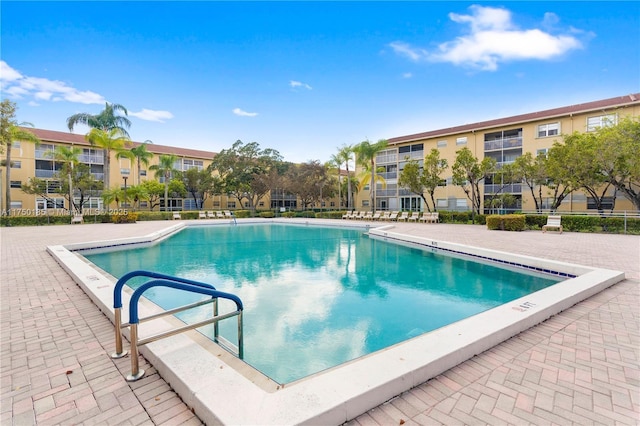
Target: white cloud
[295, 84]
[19, 86]
[493, 39]
[241, 113]
[151, 115]
[407, 75]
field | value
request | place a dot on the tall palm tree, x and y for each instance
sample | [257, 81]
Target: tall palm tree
[142, 156]
[107, 121]
[344, 156]
[366, 153]
[165, 168]
[335, 162]
[108, 140]
[69, 157]
[11, 131]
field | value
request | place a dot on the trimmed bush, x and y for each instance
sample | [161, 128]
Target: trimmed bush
[129, 217]
[288, 214]
[267, 214]
[507, 222]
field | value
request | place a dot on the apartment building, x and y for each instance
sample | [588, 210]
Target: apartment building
[29, 160]
[504, 140]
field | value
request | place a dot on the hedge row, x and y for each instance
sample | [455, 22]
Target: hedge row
[506, 222]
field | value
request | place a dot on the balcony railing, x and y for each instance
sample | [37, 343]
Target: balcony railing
[515, 188]
[504, 143]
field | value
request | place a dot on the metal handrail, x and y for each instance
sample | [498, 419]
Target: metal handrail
[178, 284]
[117, 301]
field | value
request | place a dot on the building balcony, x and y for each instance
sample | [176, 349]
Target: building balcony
[502, 144]
[515, 188]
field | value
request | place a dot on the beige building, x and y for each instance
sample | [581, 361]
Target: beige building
[504, 140]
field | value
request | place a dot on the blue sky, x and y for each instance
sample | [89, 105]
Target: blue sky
[305, 78]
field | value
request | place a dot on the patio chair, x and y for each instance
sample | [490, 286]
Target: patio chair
[403, 216]
[430, 217]
[202, 215]
[227, 214]
[368, 216]
[219, 214]
[211, 215]
[393, 216]
[77, 218]
[414, 217]
[553, 222]
[376, 216]
[385, 215]
[176, 216]
[347, 215]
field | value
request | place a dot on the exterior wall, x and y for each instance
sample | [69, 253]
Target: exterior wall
[445, 141]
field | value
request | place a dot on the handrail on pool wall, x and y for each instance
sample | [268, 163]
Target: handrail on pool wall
[178, 284]
[117, 301]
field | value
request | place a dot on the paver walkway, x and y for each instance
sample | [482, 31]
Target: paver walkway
[581, 366]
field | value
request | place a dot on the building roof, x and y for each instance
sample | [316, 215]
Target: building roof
[600, 105]
[76, 139]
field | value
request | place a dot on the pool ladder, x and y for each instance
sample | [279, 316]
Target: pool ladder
[162, 280]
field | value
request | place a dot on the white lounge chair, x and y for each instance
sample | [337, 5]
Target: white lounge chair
[211, 215]
[77, 218]
[385, 215]
[347, 215]
[553, 222]
[430, 217]
[403, 216]
[414, 217]
[376, 216]
[368, 216]
[202, 215]
[176, 216]
[219, 214]
[393, 216]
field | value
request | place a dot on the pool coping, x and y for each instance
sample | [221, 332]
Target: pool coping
[344, 392]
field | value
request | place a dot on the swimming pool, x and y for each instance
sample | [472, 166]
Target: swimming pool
[318, 297]
[221, 393]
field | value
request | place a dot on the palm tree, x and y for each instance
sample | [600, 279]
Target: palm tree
[68, 156]
[142, 156]
[11, 131]
[164, 169]
[366, 153]
[108, 140]
[344, 156]
[105, 120]
[335, 162]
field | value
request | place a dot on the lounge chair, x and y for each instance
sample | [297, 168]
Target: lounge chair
[553, 222]
[347, 215]
[176, 216]
[77, 218]
[430, 217]
[385, 215]
[393, 216]
[414, 217]
[403, 216]
[202, 215]
[376, 216]
[219, 215]
[368, 216]
[211, 215]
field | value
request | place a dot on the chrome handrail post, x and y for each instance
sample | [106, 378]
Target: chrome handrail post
[216, 328]
[240, 337]
[119, 353]
[136, 372]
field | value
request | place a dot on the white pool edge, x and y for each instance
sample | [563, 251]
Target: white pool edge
[223, 395]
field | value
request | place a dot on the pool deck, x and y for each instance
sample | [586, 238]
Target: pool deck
[581, 366]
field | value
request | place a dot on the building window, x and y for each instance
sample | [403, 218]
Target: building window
[125, 172]
[16, 184]
[143, 172]
[594, 123]
[144, 204]
[442, 144]
[461, 203]
[607, 203]
[542, 151]
[16, 204]
[442, 203]
[216, 204]
[545, 130]
[16, 164]
[192, 164]
[231, 204]
[461, 141]
[261, 204]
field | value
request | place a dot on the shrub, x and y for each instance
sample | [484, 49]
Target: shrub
[288, 214]
[267, 214]
[129, 217]
[308, 214]
[508, 222]
[331, 214]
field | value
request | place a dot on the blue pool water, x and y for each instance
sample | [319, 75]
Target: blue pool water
[318, 297]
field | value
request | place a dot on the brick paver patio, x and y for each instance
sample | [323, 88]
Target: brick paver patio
[579, 367]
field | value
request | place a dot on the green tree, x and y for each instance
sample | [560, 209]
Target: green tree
[136, 193]
[309, 181]
[619, 157]
[198, 183]
[533, 173]
[366, 153]
[11, 131]
[68, 156]
[468, 173]
[244, 169]
[141, 156]
[165, 169]
[108, 140]
[106, 120]
[344, 156]
[154, 191]
[559, 167]
[424, 179]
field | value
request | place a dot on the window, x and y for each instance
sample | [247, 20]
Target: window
[545, 130]
[144, 204]
[542, 151]
[594, 123]
[143, 172]
[365, 203]
[16, 164]
[125, 172]
[231, 204]
[607, 203]
[15, 144]
[192, 164]
[461, 202]
[442, 203]
[216, 204]
[442, 144]
[461, 141]
[16, 184]
[16, 205]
